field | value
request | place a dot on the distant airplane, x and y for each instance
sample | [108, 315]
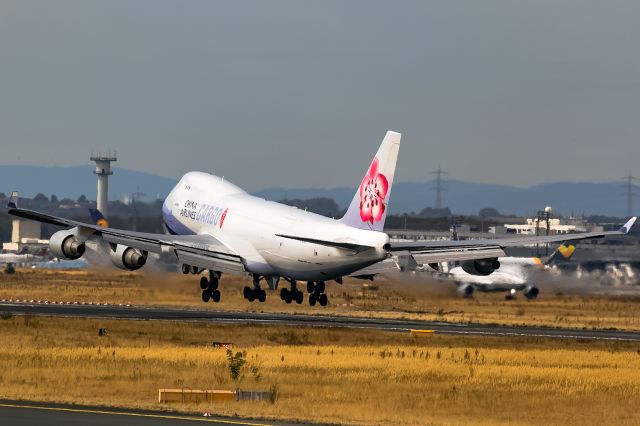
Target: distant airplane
[217, 227]
[62, 264]
[512, 276]
[98, 218]
[17, 258]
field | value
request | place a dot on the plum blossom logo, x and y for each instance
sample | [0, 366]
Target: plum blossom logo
[373, 189]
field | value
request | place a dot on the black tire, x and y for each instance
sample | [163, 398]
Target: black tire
[284, 292]
[185, 269]
[252, 296]
[206, 295]
[299, 297]
[311, 286]
[215, 296]
[323, 299]
[213, 284]
[320, 287]
[312, 299]
[262, 295]
[247, 292]
[204, 283]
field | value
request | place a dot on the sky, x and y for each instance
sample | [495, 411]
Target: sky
[299, 93]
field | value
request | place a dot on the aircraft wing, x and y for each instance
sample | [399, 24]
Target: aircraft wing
[385, 266]
[202, 251]
[447, 250]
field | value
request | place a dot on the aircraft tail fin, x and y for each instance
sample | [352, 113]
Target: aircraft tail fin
[98, 218]
[13, 200]
[563, 254]
[368, 209]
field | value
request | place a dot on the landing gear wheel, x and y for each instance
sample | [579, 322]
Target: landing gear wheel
[323, 299]
[312, 299]
[215, 296]
[206, 295]
[284, 293]
[299, 297]
[262, 295]
[204, 283]
[311, 286]
[320, 287]
[185, 269]
[251, 296]
[247, 292]
[288, 295]
[213, 284]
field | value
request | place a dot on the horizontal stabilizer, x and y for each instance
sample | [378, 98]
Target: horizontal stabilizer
[346, 246]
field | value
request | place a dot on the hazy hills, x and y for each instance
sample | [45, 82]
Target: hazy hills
[607, 198]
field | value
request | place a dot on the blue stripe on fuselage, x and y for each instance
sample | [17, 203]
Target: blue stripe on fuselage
[172, 224]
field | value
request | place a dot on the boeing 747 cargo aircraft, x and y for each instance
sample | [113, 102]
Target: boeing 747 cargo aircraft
[214, 226]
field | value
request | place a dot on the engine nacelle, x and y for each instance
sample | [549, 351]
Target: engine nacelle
[531, 292]
[65, 245]
[466, 290]
[128, 258]
[481, 267]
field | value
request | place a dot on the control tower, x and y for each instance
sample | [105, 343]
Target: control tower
[103, 170]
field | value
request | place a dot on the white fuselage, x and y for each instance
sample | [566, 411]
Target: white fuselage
[512, 271]
[267, 234]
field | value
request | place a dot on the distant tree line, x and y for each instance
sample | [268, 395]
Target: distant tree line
[147, 216]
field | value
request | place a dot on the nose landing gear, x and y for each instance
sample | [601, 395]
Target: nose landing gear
[316, 293]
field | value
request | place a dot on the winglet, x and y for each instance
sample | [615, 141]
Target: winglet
[627, 226]
[13, 201]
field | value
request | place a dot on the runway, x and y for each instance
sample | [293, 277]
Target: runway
[230, 317]
[24, 413]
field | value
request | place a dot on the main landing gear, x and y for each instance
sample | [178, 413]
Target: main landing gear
[316, 293]
[210, 287]
[256, 292]
[290, 295]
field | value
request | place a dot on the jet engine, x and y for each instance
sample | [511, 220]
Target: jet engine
[127, 258]
[65, 245]
[466, 290]
[481, 267]
[531, 292]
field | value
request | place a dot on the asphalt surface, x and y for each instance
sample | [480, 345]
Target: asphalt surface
[22, 413]
[154, 313]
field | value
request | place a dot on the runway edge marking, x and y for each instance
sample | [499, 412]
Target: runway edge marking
[419, 331]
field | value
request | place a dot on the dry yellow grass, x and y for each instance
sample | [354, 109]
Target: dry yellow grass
[392, 299]
[325, 375]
